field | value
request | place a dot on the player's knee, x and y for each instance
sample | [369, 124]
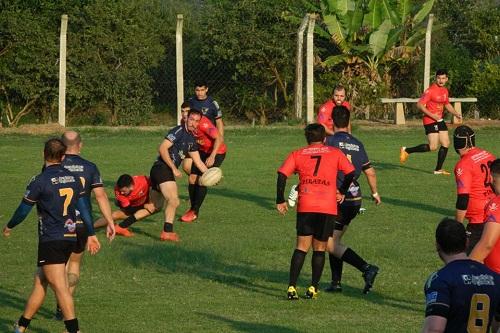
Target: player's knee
[73, 279]
[174, 202]
[433, 147]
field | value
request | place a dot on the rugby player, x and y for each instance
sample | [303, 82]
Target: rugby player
[179, 142]
[325, 113]
[464, 295]
[317, 166]
[487, 250]
[90, 177]
[57, 194]
[347, 211]
[206, 104]
[133, 199]
[432, 104]
[472, 175]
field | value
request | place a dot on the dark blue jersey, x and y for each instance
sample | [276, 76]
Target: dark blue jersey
[207, 106]
[356, 154]
[465, 292]
[55, 192]
[87, 172]
[183, 143]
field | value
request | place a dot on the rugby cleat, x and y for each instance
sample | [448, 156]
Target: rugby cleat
[292, 294]
[123, 231]
[58, 315]
[189, 216]
[403, 155]
[292, 196]
[17, 329]
[334, 287]
[311, 292]
[369, 275]
[169, 237]
[441, 172]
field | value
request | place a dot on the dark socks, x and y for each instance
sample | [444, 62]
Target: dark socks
[71, 325]
[317, 263]
[199, 195]
[128, 221]
[296, 266]
[191, 190]
[336, 266]
[418, 149]
[441, 157]
[353, 259]
[24, 322]
[168, 227]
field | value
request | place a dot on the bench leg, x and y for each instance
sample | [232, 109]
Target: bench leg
[400, 114]
[458, 107]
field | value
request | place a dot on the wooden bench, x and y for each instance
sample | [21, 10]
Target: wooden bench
[399, 119]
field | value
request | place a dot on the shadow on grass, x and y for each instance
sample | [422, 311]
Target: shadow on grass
[12, 300]
[418, 205]
[394, 166]
[170, 258]
[243, 326]
[265, 202]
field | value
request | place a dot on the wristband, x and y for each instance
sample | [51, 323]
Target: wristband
[374, 194]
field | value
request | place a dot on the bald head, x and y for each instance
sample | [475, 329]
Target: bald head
[73, 142]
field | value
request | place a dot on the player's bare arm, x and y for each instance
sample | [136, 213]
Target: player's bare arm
[105, 208]
[220, 126]
[195, 155]
[489, 237]
[452, 110]
[434, 324]
[371, 178]
[163, 151]
[422, 108]
[219, 140]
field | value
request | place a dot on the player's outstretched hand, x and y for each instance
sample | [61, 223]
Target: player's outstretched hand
[376, 198]
[340, 197]
[210, 161]
[282, 208]
[110, 231]
[6, 231]
[177, 173]
[93, 245]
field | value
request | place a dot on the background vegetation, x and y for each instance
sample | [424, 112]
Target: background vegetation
[121, 55]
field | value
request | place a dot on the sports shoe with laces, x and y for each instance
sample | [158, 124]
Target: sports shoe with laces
[369, 275]
[441, 172]
[189, 216]
[169, 236]
[16, 328]
[403, 155]
[311, 293]
[123, 231]
[292, 294]
[334, 287]
[292, 196]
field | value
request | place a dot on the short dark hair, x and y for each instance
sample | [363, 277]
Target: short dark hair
[341, 116]
[314, 133]
[495, 167]
[451, 236]
[185, 105]
[54, 150]
[200, 83]
[441, 72]
[338, 87]
[195, 111]
[124, 180]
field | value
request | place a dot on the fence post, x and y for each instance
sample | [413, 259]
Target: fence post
[299, 64]
[427, 65]
[62, 71]
[310, 68]
[179, 66]
[400, 114]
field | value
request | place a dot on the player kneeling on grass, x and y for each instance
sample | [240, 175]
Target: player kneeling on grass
[132, 196]
[57, 194]
[317, 166]
[179, 143]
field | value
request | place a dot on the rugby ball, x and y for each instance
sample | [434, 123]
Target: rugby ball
[211, 177]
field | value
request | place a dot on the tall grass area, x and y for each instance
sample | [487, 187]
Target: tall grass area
[229, 273]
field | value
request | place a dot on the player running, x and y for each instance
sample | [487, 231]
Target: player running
[132, 196]
[349, 208]
[432, 104]
[325, 113]
[179, 142]
[57, 194]
[464, 295]
[487, 250]
[472, 175]
[317, 166]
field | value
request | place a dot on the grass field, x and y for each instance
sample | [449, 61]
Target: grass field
[229, 273]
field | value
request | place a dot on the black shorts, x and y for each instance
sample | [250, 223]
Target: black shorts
[54, 252]
[318, 225]
[219, 158]
[131, 210]
[159, 174]
[346, 215]
[474, 232]
[81, 238]
[436, 127]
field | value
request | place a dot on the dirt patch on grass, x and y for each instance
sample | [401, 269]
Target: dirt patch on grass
[32, 129]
